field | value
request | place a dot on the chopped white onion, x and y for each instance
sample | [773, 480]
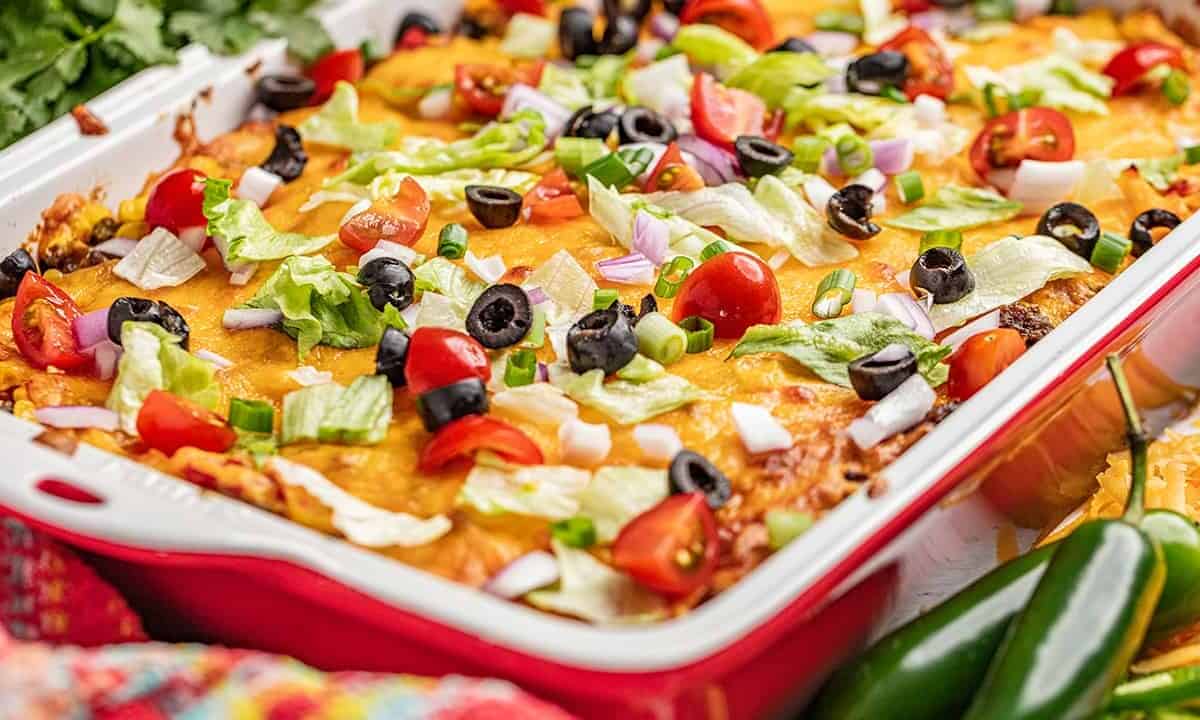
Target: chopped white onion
[78, 417]
[863, 301]
[437, 104]
[387, 248]
[903, 408]
[779, 259]
[892, 353]
[651, 237]
[907, 310]
[257, 185]
[819, 191]
[247, 318]
[194, 237]
[759, 430]
[307, 375]
[117, 247]
[219, 360]
[1041, 185]
[523, 97]
[647, 49]
[584, 444]
[523, 575]
[991, 321]
[242, 274]
[872, 178]
[657, 442]
[930, 111]
[160, 260]
[878, 204]
[489, 269]
[831, 44]
[557, 334]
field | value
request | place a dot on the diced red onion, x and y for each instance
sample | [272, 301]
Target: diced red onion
[631, 269]
[247, 318]
[658, 442]
[91, 328]
[833, 43]
[523, 97]
[257, 185]
[930, 19]
[117, 247]
[863, 301]
[1041, 185]
[489, 269]
[584, 444]
[437, 104]
[543, 372]
[105, 355]
[648, 49]
[651, 237]
[893, 157]
[903, 408]
[908, 311]
[664, 25]
[218, 360]
[873, 178]
[525, 574]
[194, 237]
[716, 165]
[819, 191]
[536, 295]
[991, 321]
[1027, 9]
[759, 430]
[78, 417]
[779, 259]
[929, 111]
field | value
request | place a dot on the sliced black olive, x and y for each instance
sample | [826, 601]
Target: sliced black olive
[470, 26]
[12, 271]
[104, 230]
[943, 273]
[692, 472]
[1073, 225]
[636, 9]
[388, 282]
[391, 356]
[444, 405]
[640, 124]
[875, 376]
[620, 35]
[649, 305]
[871, 74]
[575, 34]
[587, 123]
[601, 339]
[849, 212]
[494, 207]
[288, 158]
[759, 156]
[1139, 232]
[500, 317]
[674, 6]
[417, 20]
[284, 92]
[794, 44]
[134, 309]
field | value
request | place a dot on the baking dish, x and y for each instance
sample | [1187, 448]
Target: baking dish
[220, 569]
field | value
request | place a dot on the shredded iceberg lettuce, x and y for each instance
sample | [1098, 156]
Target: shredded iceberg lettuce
[590, 590]
[616, 214]
[159, 260]
[447, 187]
[772, 76]
[711, 46]
[1062, 82]
[816, 109]
[624, 402]
[243, 233]
[618, 494]
[337, 124]
[545, 491]
[153, 360]
[954, 207]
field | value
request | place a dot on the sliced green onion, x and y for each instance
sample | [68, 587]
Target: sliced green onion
[253, 416]
[809, 151]
[699, 333]
[854, 154]
[259, 446]
[1177, 87]
[660, 339]
[637, 159]
[952, 239]
[372, 51]
[611, 170]
[995, 10]
[537, 330]
[452, 241]
[715, 248]
[1110, 252]
[520, 368]
[784, 526]
[665, 52]
[840, 21]
[1063, 7]
[895, 94]
[672, 276]
[991, 102]
[575, 153]
[585, 62]
[577, 532]
[910, 186]
[604, 298]
[1191, 155]
[1027, 98]
[834, 293]
[361, 414]
[641, 369]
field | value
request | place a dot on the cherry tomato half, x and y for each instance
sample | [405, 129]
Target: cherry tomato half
[43, 325]
[176, 201]
[1129, 67]
[930, 71]
[476, 432]
[339, 65]
[721, 114]
[552, 199]
[747, 19]
[672, 173]
[672, 547]
[733, 291]
[1033, 134]
[981, 358]
[168, 422]
[438, 357]
[529, 7]
[483, 87]
[400, 220]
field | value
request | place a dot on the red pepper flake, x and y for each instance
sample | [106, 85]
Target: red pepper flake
[88, 123]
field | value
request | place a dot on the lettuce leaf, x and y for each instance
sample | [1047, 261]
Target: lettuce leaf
[1062, 82]
[772, 76]
[447, 187]
[616, 214]
[618, 494]
[664, 86]
[570, 288]
[359, 414]
[711, 46]
[625, 402]
[322, 306]
[1005, 272]
[827, 348]
[816, 109]
[809, 239]
[574, 87]
[337, 124]
[545, 491]
[441, 276]
[528, 36]
[590, 590]
[954, 207]
[153, 360]
[303, 410]
[159, 260]
[243, 233]
[1160, 173]
[880, 24]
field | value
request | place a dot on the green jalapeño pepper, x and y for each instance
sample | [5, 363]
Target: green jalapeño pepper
[1087, 617]
[1179, 538]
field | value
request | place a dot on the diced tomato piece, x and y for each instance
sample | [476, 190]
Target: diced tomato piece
[672, 547]
[176, 201]
[168, 422]
[1033, 133]
[913, 7]
[337, 66]
[43, 325]
[981, 358]
[721, 114]
[733, 291]
[747, 19]
[672, 173]
[930, 70]
[400, 220]
[483, 87]
[1130, 66]
[413, 38]
[553, 200]
[463, 437]
[529, 7]
[438, 357]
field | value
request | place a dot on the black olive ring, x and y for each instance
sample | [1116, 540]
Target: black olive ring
[943, 273]
[759, 156]
[872, 74]
[640, 124]
[601, 339]
[500, 317]
[875, 376]
[849, 212]
[392, 355]
[494, 207]
[1139, 232]
[692, 472]
[284, 92]
[1073, 225]
[288, 159]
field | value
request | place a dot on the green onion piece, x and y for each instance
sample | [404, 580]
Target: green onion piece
[834, 293]
[784, 526]
[995, 10]
[854, 154]
[372, 51]
[520, 368]
[1025, 99]
[715, 248]
[699, 333]
[1191, 155]
[259, 446]
[809, 151]
[537, 330]
[641, 369]
[1110, 252]
[1177, 87]
[665, 52]
[895, 94]
[584, 62]
[251, 415]
[574, 153]
[452, 241]
[361, 414]
[611, 170]
[672, 276]
[660, 339]
[604, 298]
[952, 239]
[1063, 7]
[910, 186]
[991, 102]
[577, 532]
[637, 159]
[839, 21]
